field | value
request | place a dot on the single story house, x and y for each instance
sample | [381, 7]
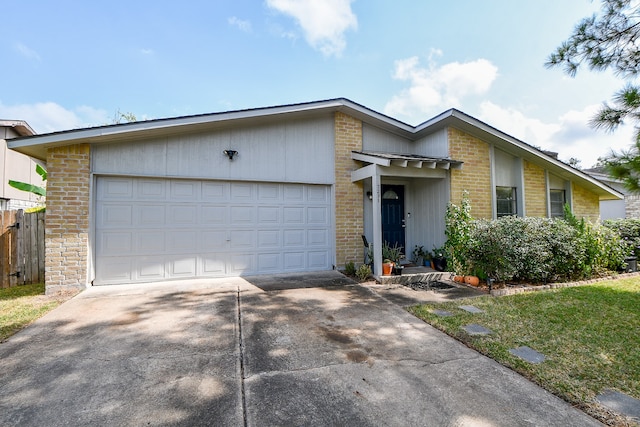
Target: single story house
[629, 207]
[280, 189]
[17, 167]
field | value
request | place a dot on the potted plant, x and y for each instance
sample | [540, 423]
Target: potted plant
[387, 267]
[421, 256]
[439, 260]
[393, 255]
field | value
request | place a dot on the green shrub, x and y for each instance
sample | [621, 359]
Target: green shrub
[458, 228]
[629, 231]
[541, 249]
[363, 273]
[350, 269]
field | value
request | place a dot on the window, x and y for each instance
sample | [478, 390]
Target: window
[506, 201]
[557, 200]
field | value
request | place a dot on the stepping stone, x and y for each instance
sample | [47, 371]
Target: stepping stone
[471, 309]
[475, 329]
[443, 313]
[528, 354]
[620, 403]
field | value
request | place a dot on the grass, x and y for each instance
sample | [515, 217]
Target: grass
[21, 305]
[589, 334]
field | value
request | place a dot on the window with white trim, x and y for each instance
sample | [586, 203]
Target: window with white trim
[557, 200]
[506, 201]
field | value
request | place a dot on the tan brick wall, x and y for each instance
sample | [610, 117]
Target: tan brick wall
[475, 175]
[67, 223]
[585, 204]
[349, 197]
[535, 190]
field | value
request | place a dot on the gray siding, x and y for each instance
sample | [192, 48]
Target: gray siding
[434, 145]
[299, 151]
[375, 139]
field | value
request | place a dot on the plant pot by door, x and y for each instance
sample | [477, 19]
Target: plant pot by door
[387, 267]
[440, 263]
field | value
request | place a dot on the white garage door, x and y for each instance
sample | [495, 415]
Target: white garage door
[157, 229]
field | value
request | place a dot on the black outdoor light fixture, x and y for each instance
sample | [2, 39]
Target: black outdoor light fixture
[230, 153]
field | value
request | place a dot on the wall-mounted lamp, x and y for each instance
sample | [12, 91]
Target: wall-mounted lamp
[370, 195]
[230, 153]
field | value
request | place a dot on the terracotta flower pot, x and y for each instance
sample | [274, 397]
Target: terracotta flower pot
[387, 267]
[472, 280]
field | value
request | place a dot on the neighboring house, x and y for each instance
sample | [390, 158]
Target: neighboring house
[17, 167]
[629, 207]
[279, 189]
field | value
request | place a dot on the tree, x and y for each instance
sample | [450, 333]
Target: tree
[39, 191]
[610, 41]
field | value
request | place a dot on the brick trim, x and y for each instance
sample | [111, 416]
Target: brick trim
[67, 218]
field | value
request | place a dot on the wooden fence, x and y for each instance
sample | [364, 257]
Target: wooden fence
[21, 248]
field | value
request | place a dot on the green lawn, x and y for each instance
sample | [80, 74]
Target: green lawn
[21, 305]
[590, 335]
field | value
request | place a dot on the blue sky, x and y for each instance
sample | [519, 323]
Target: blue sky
[70, 64]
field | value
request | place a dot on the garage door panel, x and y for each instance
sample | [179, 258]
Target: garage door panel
[151, 242]
[115, 215]
[213, 240]
[294, 238]
[293, 193]
[215, 191]
[182, 265]
[294, 261]
[293, 215]
[182, 240]
[317, 215]
[115, 269]
[151, 229]
[150, 268]
[269, 239]
[115, 243]
[186, 190]
[242, 263]
[243, 215]
[214, 264]
[242, 192]
[242, 239]
[318, 194]
[318, 260]
[150, 215]
[214, 215]
[268, 215]
[318, 237]
[151, 189]
[269, 262]
[182, 216]
[115, 188]
[268, 193]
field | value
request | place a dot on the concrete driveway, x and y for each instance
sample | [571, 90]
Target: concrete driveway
[279, 350]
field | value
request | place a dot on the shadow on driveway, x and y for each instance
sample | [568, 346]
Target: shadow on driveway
[258, 353]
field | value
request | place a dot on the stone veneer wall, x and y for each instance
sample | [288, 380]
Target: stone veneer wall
[67, 218]
[585, 204]
[632, 206]
[349, 207]
[535, 190]
[475, 175]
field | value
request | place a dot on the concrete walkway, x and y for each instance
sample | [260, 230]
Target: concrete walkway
[259, 352]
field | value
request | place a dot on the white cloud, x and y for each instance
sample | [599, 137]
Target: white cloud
[323, 22]
[242, 25]
[434, 88]
[26, 51]
[570, 135]
[46, 117]
[146, 52]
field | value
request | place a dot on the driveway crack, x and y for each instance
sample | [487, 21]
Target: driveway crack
[241, 354]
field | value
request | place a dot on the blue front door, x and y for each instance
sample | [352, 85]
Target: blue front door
[393, 224]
